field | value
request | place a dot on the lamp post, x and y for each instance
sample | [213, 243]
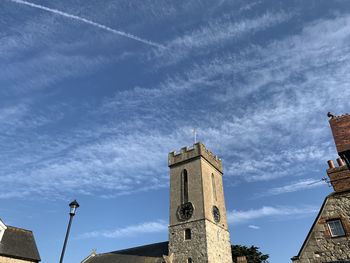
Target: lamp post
[73, 208]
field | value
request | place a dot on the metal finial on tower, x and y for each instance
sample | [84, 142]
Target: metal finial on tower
[194, 130]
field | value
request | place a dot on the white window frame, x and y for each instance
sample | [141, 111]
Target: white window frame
[336, 228]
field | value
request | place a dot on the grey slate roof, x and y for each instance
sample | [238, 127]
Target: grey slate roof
[151, 250]
[151, 253]
[19, 243]
[114, 258]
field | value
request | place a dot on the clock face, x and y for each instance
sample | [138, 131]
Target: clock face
[185, 211]
[216, 214]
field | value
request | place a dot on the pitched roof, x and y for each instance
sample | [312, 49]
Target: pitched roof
[151, 253]
[19, 243]
[151, 250]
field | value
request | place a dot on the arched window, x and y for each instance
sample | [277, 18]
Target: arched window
[189, 260]
[184, 186]
[213, 186]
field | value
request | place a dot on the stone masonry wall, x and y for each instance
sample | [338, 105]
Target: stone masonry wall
[321, 247]
[209, 243]
[218, 244]
[13, 260]
[195, 248]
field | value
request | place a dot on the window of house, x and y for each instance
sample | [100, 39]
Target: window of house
[336, 228]
[189, 260]
[188, 234]
[184, 186]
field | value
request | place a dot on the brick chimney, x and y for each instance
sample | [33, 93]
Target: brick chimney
[242, 259]
[340, 126]
[339, 176]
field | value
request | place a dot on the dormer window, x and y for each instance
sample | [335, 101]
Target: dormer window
[336, 228]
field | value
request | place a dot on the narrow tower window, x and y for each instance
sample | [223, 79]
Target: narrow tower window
[213, 186]
[188, 234]
[184, 186]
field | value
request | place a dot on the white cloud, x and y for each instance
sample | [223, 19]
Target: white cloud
[254, 227]
[107, 166]
[301, 185]
[245, 216]
[216, 33]
[298, 77]
[281, 164]
[128, 231]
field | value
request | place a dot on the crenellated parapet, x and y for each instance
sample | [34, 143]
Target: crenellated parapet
[188, 153]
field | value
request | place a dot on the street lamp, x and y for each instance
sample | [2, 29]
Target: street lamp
[73, 208]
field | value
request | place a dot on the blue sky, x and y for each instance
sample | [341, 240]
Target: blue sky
[94, 94]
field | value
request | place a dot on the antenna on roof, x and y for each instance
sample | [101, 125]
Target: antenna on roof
[324, 179]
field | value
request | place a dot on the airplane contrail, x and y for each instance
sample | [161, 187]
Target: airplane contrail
[87, 21]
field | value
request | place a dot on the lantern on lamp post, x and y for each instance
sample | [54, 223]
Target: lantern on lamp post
[73, 208]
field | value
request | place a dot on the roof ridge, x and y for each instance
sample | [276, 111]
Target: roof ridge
[144, 245]
[19, 228]
[123, 255]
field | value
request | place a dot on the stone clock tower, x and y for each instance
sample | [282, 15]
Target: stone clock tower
[198, 231]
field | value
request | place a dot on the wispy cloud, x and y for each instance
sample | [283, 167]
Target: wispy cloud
[275, 212]
[254, 227]
[277, 165]
[128, 231]
[301, 185]
[282, 131]
[117, 165]
[215, 34]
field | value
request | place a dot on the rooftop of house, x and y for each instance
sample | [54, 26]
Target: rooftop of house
[152, 253]
[19, 243]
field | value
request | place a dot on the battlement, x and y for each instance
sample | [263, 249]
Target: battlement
[198, 149]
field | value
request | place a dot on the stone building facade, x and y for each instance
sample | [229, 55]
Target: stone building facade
[198, 230]
[328, 240]
[329, 237]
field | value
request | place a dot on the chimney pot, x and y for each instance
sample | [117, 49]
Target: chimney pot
[340, 162]
[330, 164]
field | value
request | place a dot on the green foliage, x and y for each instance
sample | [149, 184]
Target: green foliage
[252, 254]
